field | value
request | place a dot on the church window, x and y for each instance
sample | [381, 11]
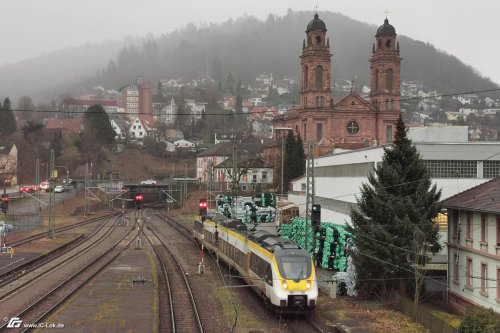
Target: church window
[388, 43]
[318, 40]
[352, 127]
[388, 79]
[306, 69]
[319, 77]
[389, 134]
[319, 131]
[296, 129]
[376, 79]
[387, 104]
[305, 131]
[392, 105]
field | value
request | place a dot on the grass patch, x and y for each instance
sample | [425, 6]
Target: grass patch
[449, 318]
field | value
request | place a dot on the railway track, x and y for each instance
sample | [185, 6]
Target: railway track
[178, 309]
[8, 275]
[35, 296]
[295, 324]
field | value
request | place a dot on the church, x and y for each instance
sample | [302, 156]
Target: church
[348, 122]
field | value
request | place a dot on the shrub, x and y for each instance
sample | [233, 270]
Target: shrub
[480, 320]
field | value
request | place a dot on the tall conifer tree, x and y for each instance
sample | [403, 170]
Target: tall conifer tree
[396, 207]
[7, 119]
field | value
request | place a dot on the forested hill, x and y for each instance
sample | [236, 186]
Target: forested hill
[246, 47]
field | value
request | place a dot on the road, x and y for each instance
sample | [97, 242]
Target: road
[29, 204]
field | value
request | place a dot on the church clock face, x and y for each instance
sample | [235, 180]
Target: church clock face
[352, 127]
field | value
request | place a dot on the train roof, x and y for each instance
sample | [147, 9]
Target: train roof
[265, 239]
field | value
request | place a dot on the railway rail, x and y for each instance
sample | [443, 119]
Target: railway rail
[33, 297]
[177, 304]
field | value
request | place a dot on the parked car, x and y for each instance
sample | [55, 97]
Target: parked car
[24, 189]
[58, 189]
[148, 182]
[44, 186]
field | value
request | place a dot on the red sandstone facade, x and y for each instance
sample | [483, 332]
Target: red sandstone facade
[350, 122]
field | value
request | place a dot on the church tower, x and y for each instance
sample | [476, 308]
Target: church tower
[385, 70]
[315, 66]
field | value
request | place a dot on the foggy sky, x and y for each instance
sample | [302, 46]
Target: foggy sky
[468, 30]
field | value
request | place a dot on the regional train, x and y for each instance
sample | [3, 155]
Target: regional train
[279, 271]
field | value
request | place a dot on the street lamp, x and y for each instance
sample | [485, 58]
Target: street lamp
[282, 154]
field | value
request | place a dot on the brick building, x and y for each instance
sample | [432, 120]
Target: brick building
[349, 122]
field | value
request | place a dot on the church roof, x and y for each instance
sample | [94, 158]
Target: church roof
[386, 29]
[316, 24]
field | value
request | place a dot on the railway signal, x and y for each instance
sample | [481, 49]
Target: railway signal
[5, 203]
[316, 215]
[138, 201]
[203, 205]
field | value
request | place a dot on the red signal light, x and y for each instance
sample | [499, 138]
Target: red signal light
[5, 199]
[138, 197]
[124, 190]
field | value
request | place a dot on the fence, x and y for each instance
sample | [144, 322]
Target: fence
[425, 317]
[24, 222]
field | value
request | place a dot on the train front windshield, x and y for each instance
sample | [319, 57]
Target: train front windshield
[294, 267]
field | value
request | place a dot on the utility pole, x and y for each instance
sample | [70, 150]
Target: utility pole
[310, 191]
[85, 189]
[37, 182]
[233, 186]
[52, 202]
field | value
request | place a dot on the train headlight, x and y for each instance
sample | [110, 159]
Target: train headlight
[308, 284]
[284, 284]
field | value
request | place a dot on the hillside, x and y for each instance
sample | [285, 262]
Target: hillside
[245, 46]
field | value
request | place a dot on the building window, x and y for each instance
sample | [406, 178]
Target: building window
[456, 276]
[319, 131]
[468, 271]
[305, 132]
[140, 133]
[319, 77]
[254, 179]
[498, 284]
[491, 169]
[389, 134]
[484, 226]
[264, 175]
[498, 230]
[352, 127]
[451, 169]
[484, 279]
[376, 79]
[306, 69]
[456, 218]
[388, 79]
[303, 186]
[469, 225]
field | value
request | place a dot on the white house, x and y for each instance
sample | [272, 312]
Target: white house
[197, 108]
[121, 127]
[474, 247]
[184, 144]
[137, 130]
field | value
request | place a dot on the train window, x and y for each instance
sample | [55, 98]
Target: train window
[269, 275]
[294, 267]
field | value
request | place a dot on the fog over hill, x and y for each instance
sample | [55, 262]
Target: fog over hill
[245, 46]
